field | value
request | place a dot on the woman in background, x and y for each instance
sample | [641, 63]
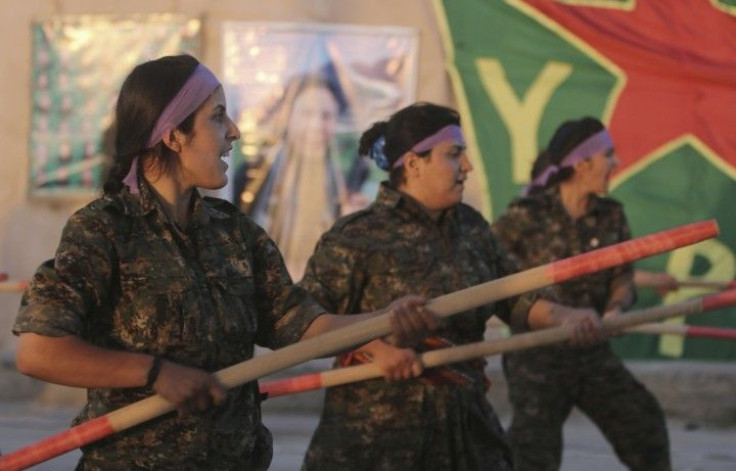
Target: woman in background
[566, 213]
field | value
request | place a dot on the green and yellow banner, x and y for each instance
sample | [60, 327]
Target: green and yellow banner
[661, 75]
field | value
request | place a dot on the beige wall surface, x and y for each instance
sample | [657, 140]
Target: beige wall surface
[30, 229]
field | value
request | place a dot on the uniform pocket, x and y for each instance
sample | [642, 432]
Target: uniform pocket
[151, 309]
[236, 314]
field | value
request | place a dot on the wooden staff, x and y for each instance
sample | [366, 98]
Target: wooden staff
[367, 330]
[537, 338]
[13, 286]
[718, 333]
[657, 328]
[716, 285]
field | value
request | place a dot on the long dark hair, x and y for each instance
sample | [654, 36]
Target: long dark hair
[403, 130]
[567, 136]
[144, 95]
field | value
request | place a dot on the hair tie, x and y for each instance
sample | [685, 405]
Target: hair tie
[131, 179]
[378, 153]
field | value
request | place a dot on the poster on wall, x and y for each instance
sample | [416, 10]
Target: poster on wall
[664, 88]
[78, 65]
[301, 95]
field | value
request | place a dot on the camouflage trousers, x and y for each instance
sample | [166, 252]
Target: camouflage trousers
[408, 426]
[544, 386]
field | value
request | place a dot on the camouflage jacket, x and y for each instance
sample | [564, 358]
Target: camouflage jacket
[125, 278]
[394, 248]
[536, 230]
[370, 258]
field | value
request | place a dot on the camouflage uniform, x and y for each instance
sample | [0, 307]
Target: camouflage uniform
[124, 278]
[545, 383]
[365, 261]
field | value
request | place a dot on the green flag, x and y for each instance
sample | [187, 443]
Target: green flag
[662, 76]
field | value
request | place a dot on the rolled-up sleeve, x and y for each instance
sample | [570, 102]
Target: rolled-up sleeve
[285, 310]
[49, 306]
[332, 274]
[66, 290]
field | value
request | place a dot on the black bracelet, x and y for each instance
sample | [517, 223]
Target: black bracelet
[154, 371]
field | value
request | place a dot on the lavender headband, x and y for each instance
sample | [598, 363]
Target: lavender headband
[192, 94]
[450, 132]
[599, 142]
[195, 91]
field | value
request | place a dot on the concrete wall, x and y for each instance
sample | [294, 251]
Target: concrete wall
[30, 229]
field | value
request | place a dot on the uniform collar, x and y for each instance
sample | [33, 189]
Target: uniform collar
[553, 195]
[146, 202]
[393, 198]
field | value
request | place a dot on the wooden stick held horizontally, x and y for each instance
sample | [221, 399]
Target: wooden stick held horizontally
[685, 330]
[13, 286]
[707, 284]
[524, 341]
[367, 330]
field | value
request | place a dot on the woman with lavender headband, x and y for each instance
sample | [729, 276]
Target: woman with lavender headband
[154, 287]
[417, 235]
[566, 212]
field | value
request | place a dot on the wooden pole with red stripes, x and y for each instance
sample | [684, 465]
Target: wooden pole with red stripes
[707, 284]
[367, 330]
[700, 331]
[537, 338]
[9, 286]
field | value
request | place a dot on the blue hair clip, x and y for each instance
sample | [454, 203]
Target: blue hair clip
[378, 153]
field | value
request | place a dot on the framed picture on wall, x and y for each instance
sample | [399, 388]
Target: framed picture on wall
[78, 65]
[301, 95]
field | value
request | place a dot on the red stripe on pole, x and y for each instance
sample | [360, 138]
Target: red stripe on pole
[632, 250]
[711, 332]
[719, 300]
[56, 445]
[292, 385]
[13, 286]
[154, 406]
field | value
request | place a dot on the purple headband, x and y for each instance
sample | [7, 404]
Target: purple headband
[192, 94]
[599, 142]
[449, 132]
